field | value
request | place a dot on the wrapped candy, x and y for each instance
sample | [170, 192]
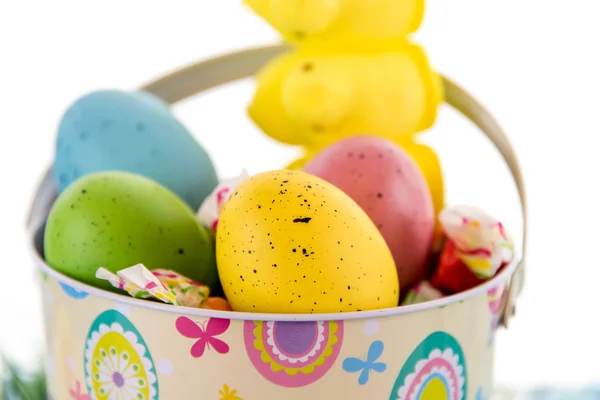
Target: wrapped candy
[210, 209]
[164, 285]
[476, 247]
[421, 293]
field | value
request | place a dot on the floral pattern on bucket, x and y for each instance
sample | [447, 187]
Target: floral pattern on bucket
[117, 361]
[435, 370]
[293, 354]
[366, 365]
[205, 333]
[228, 394]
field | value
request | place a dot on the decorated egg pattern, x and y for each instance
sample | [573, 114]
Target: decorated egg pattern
[118, 364]
[435, 370]
[354, 359]
[293, 354]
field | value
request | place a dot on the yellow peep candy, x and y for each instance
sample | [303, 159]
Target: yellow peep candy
[424, 157]
[320, 92]
[429, 163]
[301, 20]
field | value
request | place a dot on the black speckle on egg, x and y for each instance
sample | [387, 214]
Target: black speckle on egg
[140, 127]
[180, 251]
[379, 195]
[83, 136]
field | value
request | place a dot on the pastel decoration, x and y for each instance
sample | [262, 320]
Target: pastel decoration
[117, 361]
[205, 333]
[293, 354]
[496, 298]
[77, 394]
[368, 365]
[228, 394]
[479, 395]
[371, 327]
[435, 370]
[165, 367]
[72, 292]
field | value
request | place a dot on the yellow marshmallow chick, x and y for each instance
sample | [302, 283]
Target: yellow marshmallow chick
[423, 155]
[320, 93]
[308, 20]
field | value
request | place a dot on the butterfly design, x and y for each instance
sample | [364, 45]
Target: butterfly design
[205, 332]
[366, 365]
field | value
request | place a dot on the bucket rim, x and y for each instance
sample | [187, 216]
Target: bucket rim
[501, 278]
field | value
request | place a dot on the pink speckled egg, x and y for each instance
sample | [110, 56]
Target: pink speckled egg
[384, 180]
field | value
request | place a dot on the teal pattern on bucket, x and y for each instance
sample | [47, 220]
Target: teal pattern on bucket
[435, 370]
[117, 361]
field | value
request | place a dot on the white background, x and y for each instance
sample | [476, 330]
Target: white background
[533, 63]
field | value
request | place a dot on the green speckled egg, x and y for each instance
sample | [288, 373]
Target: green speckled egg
[118, 219]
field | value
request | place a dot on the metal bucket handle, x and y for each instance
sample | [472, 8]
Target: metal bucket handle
[217, 71]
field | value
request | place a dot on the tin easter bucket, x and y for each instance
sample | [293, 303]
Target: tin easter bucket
[102, 345]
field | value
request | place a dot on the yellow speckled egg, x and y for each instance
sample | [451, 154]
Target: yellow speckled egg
[289, 242]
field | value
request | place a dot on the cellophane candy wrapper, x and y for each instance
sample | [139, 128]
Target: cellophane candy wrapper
[421, 293]
[210, 210]
[164, 285]
[476, 246]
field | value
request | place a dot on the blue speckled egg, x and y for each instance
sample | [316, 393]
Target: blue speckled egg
[133, 132]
